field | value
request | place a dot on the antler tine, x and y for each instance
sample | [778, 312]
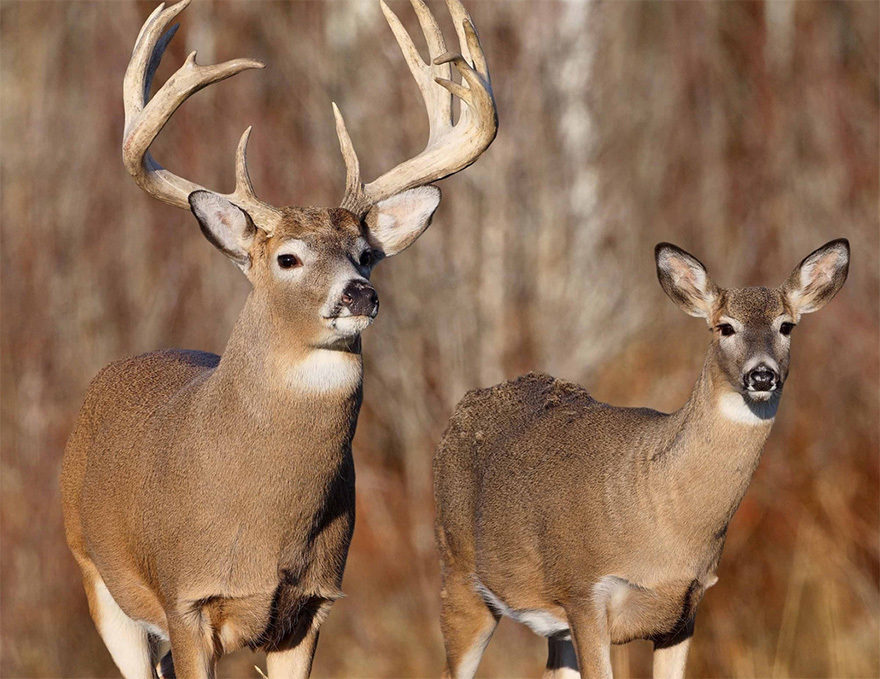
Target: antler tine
[138, 75]
[144, 118]
[468, 40]
[437, 103]
[244, 189]
[158, 53]
[451, 147]
[354, 197]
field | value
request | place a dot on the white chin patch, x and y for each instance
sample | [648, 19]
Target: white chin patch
[761, 396]
[349, 326]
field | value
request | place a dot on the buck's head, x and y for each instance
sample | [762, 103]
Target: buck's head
[752, 327]
[311, 266]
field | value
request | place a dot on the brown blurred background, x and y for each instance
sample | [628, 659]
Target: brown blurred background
[745, 132]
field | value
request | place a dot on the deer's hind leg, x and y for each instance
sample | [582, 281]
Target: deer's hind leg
[561, 660]
[467, 623]
[128, 641]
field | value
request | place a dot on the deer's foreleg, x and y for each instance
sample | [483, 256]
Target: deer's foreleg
[127, 640]
[670, 652]
[193, 647]
[591, 639]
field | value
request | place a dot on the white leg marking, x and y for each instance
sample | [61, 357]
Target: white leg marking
[127, 640]
[467, 666]
[562, 673]
[294, 663]
[669, 662]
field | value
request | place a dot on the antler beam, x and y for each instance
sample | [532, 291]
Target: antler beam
[145, 117]
[451, 146]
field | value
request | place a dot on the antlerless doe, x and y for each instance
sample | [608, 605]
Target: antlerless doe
[594, 524]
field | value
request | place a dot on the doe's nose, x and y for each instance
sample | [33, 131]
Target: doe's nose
[360, 298]
[761, 378]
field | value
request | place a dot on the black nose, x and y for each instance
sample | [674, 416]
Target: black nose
[360, 298]
[761, 378]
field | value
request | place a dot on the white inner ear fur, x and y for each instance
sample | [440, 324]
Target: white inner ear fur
[816, 273]
[226, 225]
[820, 269]
[690, 280]
[394, 223]
[685, 273]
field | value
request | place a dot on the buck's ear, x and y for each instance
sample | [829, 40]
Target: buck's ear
[226, 225]
[684, 278]
[816, 280]
[394, 223]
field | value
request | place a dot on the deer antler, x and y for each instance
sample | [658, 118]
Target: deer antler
[451, 147]
[145, 118]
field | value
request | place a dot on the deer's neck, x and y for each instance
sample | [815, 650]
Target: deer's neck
[713, 448]
[270, 372]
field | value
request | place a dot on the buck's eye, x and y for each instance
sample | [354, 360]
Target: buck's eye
[786, 328]
[366, 258]
[288, 261]
[726, 329]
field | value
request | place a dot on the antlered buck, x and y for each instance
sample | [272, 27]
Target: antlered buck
[594, 524]
[210, 500]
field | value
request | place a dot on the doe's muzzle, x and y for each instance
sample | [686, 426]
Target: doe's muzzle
[761, 378]
[361, 299]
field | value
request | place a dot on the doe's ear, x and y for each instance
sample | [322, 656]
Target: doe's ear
[684, 278]
[816, 280]
[393, 224]
[227, 226]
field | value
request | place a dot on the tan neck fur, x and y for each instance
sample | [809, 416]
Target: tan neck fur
[268, 364]
[711, 451]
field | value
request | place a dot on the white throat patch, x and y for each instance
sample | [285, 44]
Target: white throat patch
[737, 408]
[325, 371]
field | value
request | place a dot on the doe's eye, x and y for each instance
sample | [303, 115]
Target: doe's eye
[726, 329]
[786, 328]
[288, 261]
[366, 258]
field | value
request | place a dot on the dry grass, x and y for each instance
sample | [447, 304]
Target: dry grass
[745, 132]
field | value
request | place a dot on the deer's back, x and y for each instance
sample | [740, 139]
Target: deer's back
[521, 464]
[486, 433]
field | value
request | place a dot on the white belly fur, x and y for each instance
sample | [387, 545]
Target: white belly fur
[539, 621]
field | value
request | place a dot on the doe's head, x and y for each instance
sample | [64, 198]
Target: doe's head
[752, 327]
